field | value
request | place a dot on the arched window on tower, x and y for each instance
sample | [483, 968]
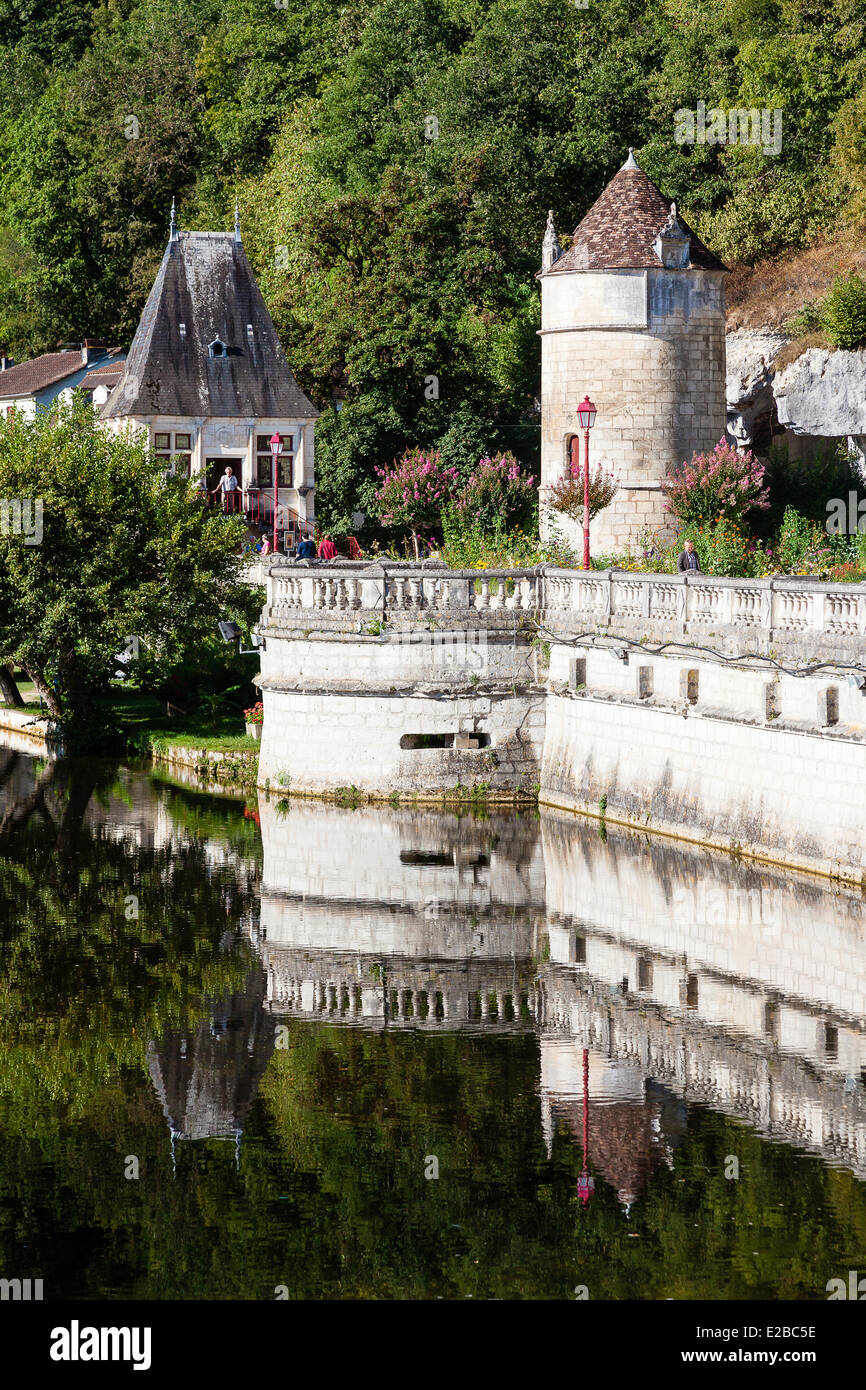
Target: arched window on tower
[571, 462]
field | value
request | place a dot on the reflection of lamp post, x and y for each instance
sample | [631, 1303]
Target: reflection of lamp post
[276, 449]
[586, 1182]
[586, 413]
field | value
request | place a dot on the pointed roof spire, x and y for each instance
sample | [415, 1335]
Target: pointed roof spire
[173, 233]
[621, 228]
[550, 247]
[237, 223]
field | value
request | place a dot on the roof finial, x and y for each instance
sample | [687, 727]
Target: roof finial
[237, 222]
[631, 162]
[172, 235]
[550, 247]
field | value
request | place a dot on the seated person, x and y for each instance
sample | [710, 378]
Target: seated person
[306, 549]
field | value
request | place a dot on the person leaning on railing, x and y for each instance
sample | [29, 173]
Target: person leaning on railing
[227, 485]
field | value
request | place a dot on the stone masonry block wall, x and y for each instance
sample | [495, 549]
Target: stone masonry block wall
[659, 390]
[736, 773]
[345, 711]
[332, 740]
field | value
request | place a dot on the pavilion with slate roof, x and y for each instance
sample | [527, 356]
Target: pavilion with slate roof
[206, 376]
[633, 315]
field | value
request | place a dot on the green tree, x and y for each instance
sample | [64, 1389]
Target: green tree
[105, 548]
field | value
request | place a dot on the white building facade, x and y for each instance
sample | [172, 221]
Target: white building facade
[208, 380]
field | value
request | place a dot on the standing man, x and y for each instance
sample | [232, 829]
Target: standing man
[227, 485]
[687, 559]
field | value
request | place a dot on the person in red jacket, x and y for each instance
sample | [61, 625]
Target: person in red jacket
[327, 550]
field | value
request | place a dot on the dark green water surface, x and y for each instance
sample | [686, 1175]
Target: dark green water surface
[262, 1050]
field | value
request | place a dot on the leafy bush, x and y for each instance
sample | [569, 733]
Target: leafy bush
[497, 492]
[725, 548]
[806, 484]
[843, 312]
[719, 486]
[566, 496]
[806, 320]
[470, 546]
[802, 546]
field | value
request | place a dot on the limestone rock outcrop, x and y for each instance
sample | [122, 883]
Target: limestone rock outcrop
[749, 381]
[823, 393]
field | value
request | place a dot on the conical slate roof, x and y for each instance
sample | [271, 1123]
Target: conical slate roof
[207, 1079]
[619, 230]
[206, 291]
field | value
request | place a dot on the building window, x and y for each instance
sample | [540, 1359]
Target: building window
[264, 465]
[177, 446]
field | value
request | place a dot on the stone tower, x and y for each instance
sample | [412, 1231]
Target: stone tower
[634, 315]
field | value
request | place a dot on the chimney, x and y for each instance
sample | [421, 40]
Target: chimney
[85, 353]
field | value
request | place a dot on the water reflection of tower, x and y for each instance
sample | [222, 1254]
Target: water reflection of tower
[626, 1125]
[206, 1077]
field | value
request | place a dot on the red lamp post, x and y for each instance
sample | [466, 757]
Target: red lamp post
[585, 1182]
[586, 414]
[276, 449]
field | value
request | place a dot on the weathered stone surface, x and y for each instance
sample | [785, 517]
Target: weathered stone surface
[823, 393]
[749, 380]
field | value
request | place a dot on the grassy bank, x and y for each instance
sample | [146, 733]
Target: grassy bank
[146, 727]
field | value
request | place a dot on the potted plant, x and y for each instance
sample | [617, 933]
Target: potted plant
[255, 718]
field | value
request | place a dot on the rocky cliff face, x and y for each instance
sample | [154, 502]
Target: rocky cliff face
[749, 383]
[820, 395]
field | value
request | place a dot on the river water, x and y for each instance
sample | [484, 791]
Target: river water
[294, 1050]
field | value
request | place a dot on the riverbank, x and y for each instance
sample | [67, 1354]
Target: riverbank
[211, 750]
[27, 723]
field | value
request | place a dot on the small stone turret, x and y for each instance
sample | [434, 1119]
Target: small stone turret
[632, 314]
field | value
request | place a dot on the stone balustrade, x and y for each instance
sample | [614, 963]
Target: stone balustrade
[346, 595]
[743, 614]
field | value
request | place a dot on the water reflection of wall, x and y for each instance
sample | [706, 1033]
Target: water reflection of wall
[791, 936]
[688, 973]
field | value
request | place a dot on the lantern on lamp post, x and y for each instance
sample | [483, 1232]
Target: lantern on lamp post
[276, 449]
[586, 414]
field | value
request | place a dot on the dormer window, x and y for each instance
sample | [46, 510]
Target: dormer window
[217, 348]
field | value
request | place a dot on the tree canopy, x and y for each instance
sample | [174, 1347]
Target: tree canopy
[98, 546]
[395, 161]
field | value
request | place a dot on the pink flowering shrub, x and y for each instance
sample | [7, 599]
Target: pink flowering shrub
[413, 492]
[566, 495]
[497, 494]
[719, 486]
